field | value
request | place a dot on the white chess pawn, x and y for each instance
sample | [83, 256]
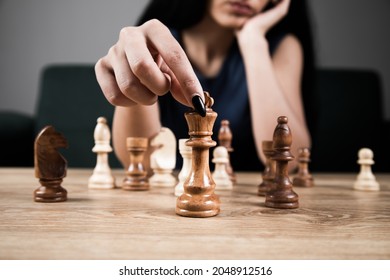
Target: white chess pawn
[220, 175]
[163, 159]
[101, 177]
[186, 153]
[366, 180]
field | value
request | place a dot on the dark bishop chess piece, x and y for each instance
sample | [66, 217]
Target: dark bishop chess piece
[136, 179]
[282, 195]
[225, 138]
[199, 199]
[268, 175]
[50, 165]
[303, 178]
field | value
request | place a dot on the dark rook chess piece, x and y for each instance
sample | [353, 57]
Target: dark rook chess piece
[303, 178]
[136, 179]
[282, 196]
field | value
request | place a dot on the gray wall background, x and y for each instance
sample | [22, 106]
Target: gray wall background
[348, 33]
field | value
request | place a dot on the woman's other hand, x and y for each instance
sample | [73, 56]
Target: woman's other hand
[264, 21]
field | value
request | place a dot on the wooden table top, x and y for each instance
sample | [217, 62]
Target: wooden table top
[333, 222]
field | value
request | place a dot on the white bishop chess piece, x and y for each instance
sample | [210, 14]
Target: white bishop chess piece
[366, 180]
[163, 159]
[186, 153]
[102, 177]
[220, 175]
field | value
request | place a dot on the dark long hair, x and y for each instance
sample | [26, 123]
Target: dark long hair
[180, 14]
[177, 14]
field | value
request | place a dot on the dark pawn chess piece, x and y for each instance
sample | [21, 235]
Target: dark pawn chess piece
[269, 170]
[50, 165]
[225, 138]
[199, 199]
[136, 179]
[282, 196]
[303, 178]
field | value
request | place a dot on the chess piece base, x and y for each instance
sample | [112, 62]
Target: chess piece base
[101, 182]
[303, 182]
[279, 205]
[264, 188]
[50, 194]
[130, 184]
[197, 214]
[221, 184]
[197, 206]
[162, 180]
[283, 199]
[366, 186]
[100, 186]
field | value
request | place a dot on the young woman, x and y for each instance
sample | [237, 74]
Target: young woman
[253, 56]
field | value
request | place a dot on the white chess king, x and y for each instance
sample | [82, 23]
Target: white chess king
[366, 180]
[102, 177]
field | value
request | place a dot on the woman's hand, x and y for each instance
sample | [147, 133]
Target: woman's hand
[264, 21]
[145, 63]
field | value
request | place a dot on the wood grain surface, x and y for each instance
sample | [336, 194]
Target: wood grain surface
[333, 222]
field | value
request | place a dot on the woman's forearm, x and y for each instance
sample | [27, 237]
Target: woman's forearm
[134, 121]
[274, 90]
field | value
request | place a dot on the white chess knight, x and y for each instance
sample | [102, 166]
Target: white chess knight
[366, 180]
[102, 177]
[220, 175]
[186, 153]
[163, 159]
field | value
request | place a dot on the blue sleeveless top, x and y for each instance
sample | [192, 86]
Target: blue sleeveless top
[230, 93]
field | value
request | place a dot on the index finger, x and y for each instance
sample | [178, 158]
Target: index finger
[176, 59]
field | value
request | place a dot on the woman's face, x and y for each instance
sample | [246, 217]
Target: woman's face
[234, 13]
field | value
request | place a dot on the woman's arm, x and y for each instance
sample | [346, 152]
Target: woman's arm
[274, 90]
[273, 82]
[134, 121]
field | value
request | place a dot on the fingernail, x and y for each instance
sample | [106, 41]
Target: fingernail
[199, 106]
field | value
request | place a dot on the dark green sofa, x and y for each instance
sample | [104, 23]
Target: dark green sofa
[345, 113]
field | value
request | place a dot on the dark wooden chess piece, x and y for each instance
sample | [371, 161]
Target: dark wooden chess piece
[136, 179]
[282, 196]
[199, 199]
[268, 175]
[50, 165]
[303, 177]
[225, 138]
